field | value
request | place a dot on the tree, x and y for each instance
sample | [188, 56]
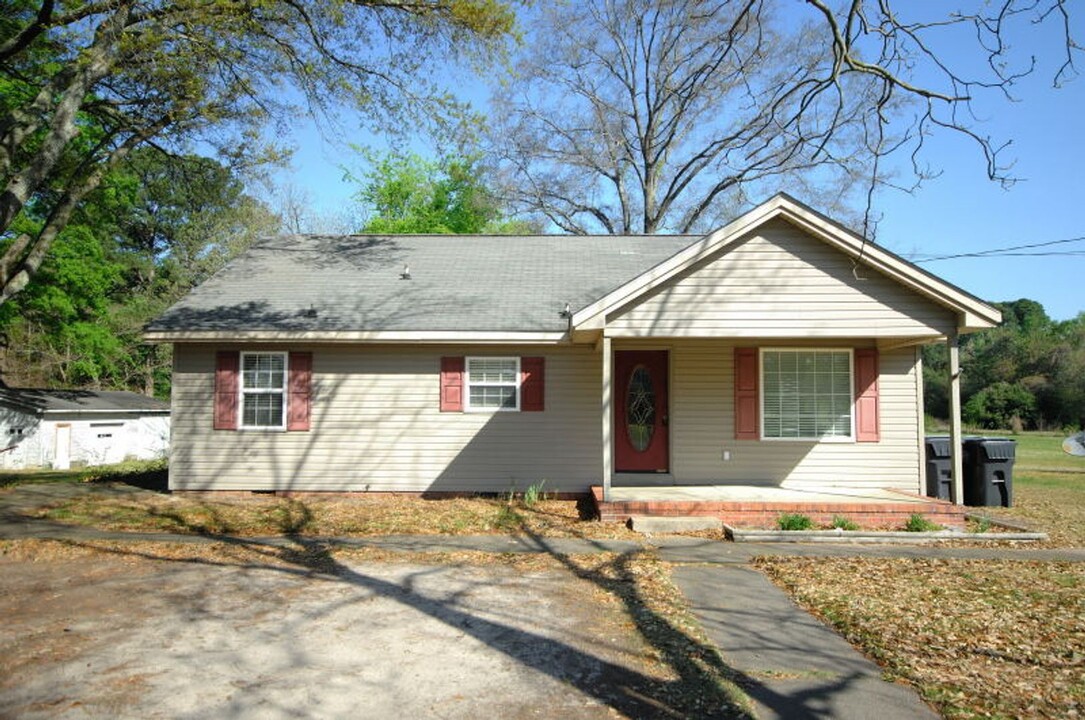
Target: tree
[407, 194]
[84, 83]
[1030, 371]
[156, 226]
[646, 116]
[1000, 406]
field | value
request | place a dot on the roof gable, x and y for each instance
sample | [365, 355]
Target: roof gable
[778, 281]
[972, 313]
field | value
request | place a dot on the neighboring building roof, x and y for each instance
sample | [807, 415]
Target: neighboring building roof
[463, 283]
[80, 401]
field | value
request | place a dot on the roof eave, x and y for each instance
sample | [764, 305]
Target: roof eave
[431, 337]
[106, 411]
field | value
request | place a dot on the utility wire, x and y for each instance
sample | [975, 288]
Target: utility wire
[1012, 251]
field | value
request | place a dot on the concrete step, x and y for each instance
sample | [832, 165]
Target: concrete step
[660, 525]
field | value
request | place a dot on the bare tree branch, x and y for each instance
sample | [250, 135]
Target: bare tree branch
[659, 114]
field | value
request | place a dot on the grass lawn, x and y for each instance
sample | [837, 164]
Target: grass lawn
[12, 478]
[990, 638]
[360, 515]
[977, 638]
[141, 473]
[1048, 488]
[364, 515]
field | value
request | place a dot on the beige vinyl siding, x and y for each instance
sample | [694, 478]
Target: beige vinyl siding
[377, 425]
[781, 282]
[702, 426]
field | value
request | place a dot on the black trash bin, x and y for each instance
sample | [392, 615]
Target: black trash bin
[939, 467]
[988, 471]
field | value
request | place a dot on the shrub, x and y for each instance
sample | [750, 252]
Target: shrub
[842, 523]
[918, 523]
[534, 494]
[794, 521]
[1001, 406]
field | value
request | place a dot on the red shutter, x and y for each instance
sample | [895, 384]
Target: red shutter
[532, 384]
[227, 367]
[866, 395]
[452, 384]
[299, 391]
[747, 425]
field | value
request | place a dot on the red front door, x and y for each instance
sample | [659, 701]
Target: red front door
[640, 411]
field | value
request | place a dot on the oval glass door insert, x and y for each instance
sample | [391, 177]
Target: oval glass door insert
[640, 409]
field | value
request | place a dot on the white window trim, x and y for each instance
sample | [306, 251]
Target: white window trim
[835, 439]
[467, 384]
[241, 391]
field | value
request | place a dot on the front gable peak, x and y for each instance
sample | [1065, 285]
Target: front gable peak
[899, 282]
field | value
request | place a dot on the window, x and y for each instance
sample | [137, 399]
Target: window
[263, 390]
[806, 394]
[493, 383]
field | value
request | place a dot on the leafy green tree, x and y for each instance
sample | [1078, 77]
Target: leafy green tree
[156, 226]
[999, 406]
[82, 84]
[408, 194]
[1030, 367]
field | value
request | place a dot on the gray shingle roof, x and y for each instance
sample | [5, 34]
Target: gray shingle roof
[38, 400]
[458, 283]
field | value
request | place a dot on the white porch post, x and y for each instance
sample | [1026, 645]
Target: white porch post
[608, 420]
[955, 417]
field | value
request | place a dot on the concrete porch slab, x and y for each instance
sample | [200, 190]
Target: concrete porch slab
[760, 493]
[757, 506]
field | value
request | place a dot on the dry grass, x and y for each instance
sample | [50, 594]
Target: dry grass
[1049, 501]
[1048, 488]
[977, 638]
[364, 515]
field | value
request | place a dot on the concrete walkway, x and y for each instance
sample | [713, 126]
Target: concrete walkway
[790, 664]
[787, 661]
[678, 549]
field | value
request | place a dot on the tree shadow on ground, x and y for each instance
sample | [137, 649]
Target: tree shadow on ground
[696, 683]
[699, 687]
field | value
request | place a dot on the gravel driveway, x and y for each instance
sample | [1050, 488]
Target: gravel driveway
[124, 636]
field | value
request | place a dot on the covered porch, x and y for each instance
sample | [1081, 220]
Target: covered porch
[705, 458]
[775, 366]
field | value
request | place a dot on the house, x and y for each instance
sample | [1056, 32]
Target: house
[61, 428]
[780, 351]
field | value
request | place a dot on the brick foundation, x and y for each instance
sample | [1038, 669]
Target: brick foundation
[869, 515]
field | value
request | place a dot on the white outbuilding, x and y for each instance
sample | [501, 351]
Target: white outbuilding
[63, 428]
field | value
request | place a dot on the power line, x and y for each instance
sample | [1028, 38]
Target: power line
[1012, 251]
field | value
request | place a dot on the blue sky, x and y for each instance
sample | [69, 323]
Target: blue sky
[961, 211]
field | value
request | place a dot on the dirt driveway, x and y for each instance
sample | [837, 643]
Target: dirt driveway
[120, 635]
